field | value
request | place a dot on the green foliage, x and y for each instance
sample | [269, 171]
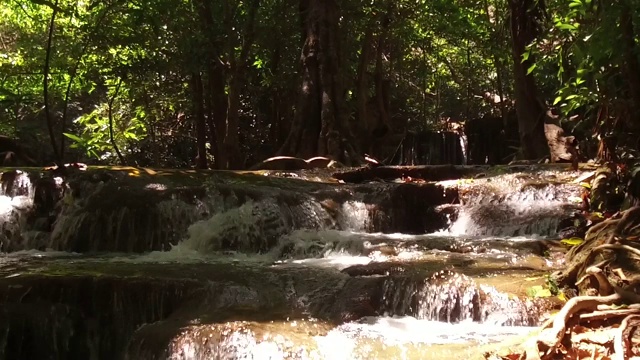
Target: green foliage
[584, 36]
[442, 59]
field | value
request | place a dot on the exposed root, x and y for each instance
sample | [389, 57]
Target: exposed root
[621, 341]
[587, 326]
[550, 339]
[608, 314]
[604, 286]
[620, 273]
[554, 332]
[628, 248]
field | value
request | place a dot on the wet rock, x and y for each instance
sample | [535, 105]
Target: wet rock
[91, 309]
[79, 316]
[232, 340]
[410, 208]
[453, 297]
[562, 148]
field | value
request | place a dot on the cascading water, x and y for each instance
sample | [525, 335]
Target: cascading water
[240, 266]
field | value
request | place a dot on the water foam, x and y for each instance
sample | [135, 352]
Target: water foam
[513, 205]
[398, 330]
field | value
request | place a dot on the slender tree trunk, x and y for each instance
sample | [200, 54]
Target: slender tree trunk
[153, 126]
[112, 138]
[45, 84]
[275, 116]
[218, 113]
[381, 102]
[235, 82]
[362, 91]
[201, 127]
[530, 110]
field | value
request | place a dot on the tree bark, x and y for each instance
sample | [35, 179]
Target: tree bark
[530, 110]
[319, 126]
[200, 122]
[217, 112]
[362, 91]
[382, 101]
[215, 95]
[631, 67]
[274, 108]
[235, 82]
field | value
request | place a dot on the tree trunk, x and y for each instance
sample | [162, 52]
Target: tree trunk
[201, 128]
[217, 112]
[274, 106]
[362, 92]
[235, 82]
[381, 99]
[319, 126]
[112, 138]
[45, 85]
[215, 96]
[630, 67]
[531, 112]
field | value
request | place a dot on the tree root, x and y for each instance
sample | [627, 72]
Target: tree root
[604, 286]
[620, 345]
[608, 314]
[551, 338]
[554, 331]
[628, 248]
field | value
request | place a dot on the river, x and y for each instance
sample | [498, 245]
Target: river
[228, 266]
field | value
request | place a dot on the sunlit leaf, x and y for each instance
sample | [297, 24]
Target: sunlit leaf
[572, 241]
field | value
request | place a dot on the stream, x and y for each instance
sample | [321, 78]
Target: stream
[128, 264]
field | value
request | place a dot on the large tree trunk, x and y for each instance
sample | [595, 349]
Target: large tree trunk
[530, 110]
[215, 96]
[217, 112]
[319, 126]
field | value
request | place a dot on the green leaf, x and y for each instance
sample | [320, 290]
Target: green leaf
[572, 241]
[557, 100]
[538, 291]
[74, 137]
